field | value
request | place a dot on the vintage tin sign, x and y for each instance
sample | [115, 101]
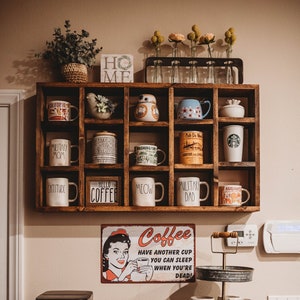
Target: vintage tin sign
[147, 253]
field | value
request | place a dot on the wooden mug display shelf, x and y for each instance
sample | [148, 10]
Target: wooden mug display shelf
[164, 134]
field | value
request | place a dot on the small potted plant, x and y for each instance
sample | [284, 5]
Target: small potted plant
[72, 52]
[99, 106]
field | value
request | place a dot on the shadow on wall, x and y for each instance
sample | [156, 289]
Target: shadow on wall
[31, 70]
[198, 288]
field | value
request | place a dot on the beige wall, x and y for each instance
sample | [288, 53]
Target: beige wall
[62, 251]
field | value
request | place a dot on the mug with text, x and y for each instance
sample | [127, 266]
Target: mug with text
[59, 110]
[231, 195]
[147, 155]
[144, 190]
[189, 191]
[58, 190]
[60, 152]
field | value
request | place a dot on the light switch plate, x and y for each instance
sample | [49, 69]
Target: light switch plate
[247, 235]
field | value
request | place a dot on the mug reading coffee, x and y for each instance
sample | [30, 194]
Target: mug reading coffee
[189, 191]
[147, 155]
[143, 191]
[59, 110]
[231, 195]
[60, 152]
[57, 191]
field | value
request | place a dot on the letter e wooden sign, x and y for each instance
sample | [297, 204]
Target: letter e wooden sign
[116, 68]
[147, 253]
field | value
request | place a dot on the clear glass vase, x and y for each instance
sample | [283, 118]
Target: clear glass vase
[229, 67]
[157, 70]
[193, 72]
[210, 72]
[175, 73]
[229, 72]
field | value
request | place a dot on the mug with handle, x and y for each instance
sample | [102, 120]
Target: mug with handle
[57, 191]
[143, 191]
[192, 109]
[189, 191]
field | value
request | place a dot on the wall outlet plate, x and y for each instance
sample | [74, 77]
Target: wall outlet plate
[247, 235]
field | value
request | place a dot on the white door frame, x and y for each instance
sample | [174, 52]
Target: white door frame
[12, 100]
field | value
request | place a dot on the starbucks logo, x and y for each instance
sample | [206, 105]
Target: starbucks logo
[233, 141]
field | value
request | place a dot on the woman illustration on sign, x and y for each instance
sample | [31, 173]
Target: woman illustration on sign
[115, 260]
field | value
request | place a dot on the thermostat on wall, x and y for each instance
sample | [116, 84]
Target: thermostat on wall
[247, 235]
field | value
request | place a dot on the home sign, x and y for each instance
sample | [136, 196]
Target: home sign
[116, 68]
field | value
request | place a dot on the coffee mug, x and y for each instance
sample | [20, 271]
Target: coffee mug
[59, 110]
[192, 109]
[142, 261]
[147, 155]
[231, 195]
[189, 191]
[143, 191]
[57, 191]
[60, 152]
[233, 143]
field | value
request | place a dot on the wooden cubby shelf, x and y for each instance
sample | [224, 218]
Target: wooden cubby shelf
[163, 133]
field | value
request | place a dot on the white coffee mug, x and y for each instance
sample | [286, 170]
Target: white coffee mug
[143, 191]
[59, 110]
[57, 191]
[189, 191]
[233, 137]
[231, 195]
[147, 155]
[142, 261]
[60, 152]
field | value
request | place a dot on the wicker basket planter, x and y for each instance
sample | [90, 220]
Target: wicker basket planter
[75, 73]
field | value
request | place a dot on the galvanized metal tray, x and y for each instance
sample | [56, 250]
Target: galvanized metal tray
[227, 274]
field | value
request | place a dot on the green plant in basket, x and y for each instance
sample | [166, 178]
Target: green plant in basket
[71, 47]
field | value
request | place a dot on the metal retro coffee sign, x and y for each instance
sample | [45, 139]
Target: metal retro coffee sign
[147, 253]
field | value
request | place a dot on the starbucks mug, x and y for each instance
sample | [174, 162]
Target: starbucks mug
[147, 155]
[233, 143]
[231, 195]
[59, 110]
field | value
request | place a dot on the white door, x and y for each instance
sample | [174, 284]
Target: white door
[4, 117]
[11, 208]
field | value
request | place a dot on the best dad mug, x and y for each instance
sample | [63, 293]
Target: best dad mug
[231, 195]
[59, 110]
[188, 191]
[57, 191]
[147, 155]
[60, 152]
[143, 191]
